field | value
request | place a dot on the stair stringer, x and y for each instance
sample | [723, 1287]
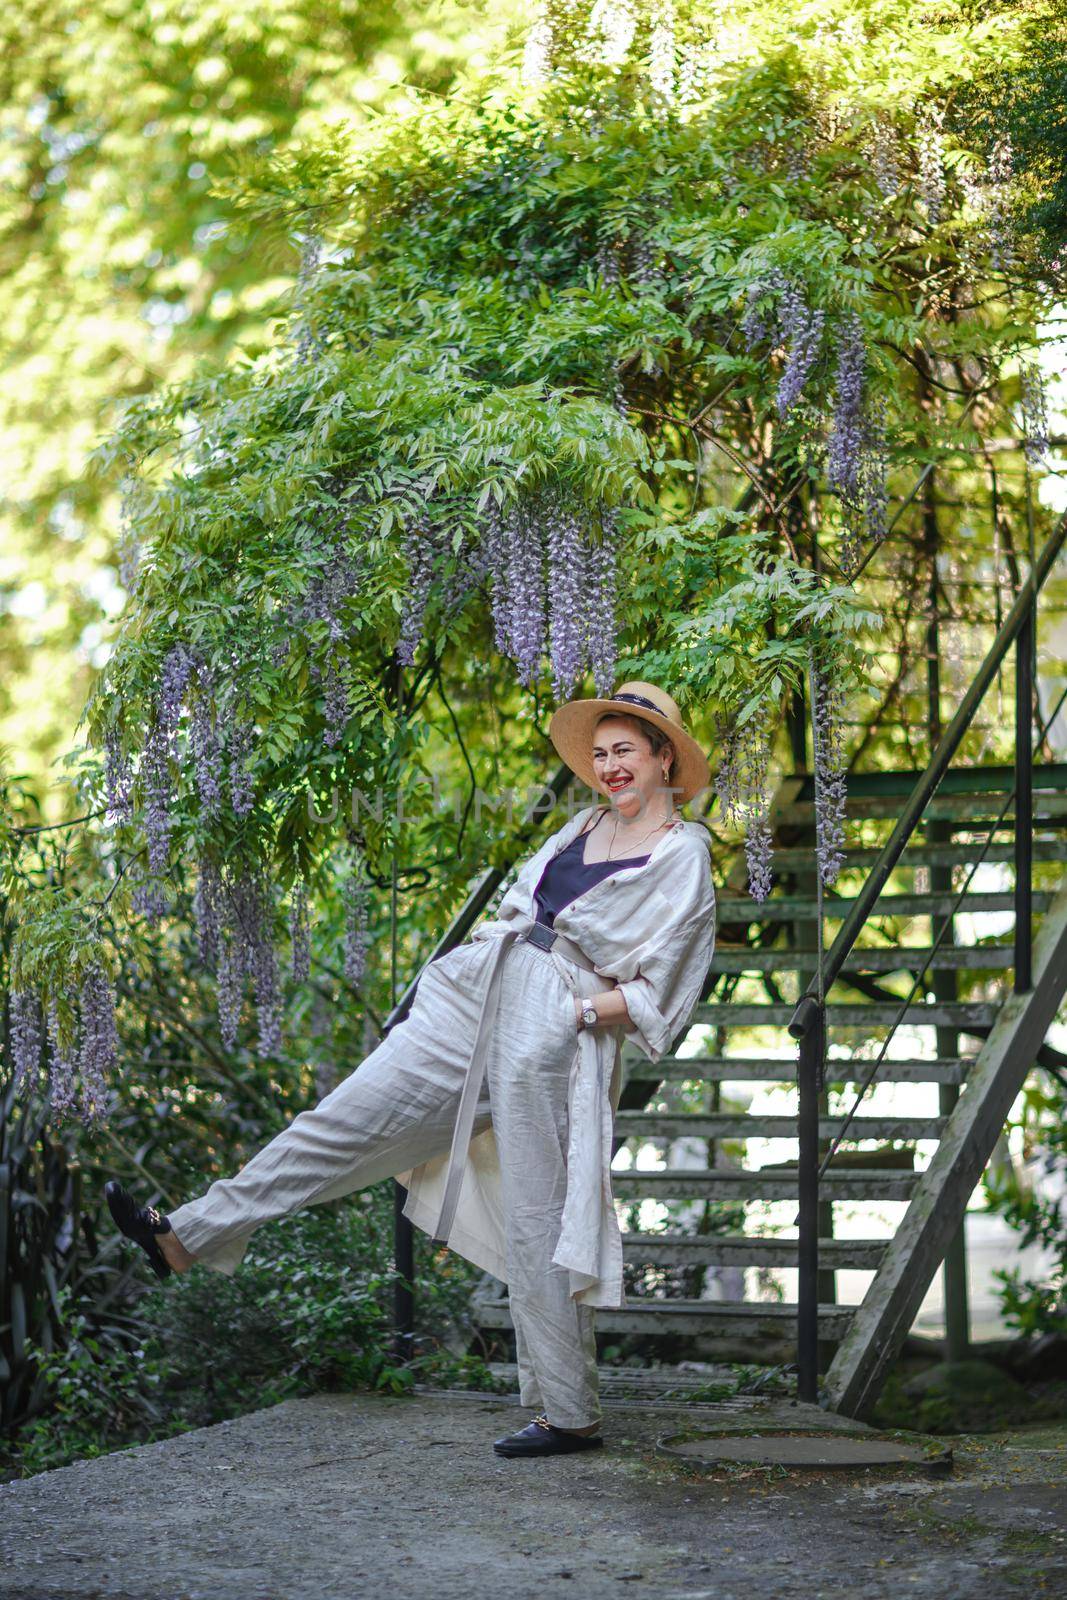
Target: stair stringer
[880, 1325]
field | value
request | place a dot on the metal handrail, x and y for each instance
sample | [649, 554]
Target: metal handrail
[808, 1022]
[928, 781]
[958, 899]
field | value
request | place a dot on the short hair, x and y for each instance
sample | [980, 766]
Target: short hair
[655, 736]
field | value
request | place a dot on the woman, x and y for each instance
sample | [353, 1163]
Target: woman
[493, 1100]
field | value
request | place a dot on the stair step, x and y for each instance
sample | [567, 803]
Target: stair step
[804, 908]
[901, 958]
[990, 778]
[752, 1318]
[877, 1014]
[768, 1183]
[968, 809]
[744, 1125]
[742, 1249]
[800, 858]
[763, 1069]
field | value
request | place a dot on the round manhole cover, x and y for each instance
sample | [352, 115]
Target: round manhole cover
[819, 1451]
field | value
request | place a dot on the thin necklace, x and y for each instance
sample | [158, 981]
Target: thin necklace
[643, 837]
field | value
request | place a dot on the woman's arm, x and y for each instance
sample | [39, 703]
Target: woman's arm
[610, 1008]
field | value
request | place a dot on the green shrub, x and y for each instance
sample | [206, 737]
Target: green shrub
[309, 1309]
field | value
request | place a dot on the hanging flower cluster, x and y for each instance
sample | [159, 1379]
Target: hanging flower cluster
[885, 155]
[552, 580]
[831, 774]
[612, 25]
[1036, 443]
[300, 932]
[845, 453]
[355, 896]
[777, 314]
[931, 160]
[129, 549]
[185, 675]
[661, 52]
[80, 1059]
[235, 915]
[990, 193]
[801, 331]
[742, 788]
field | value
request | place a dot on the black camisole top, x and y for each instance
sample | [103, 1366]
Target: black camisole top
[567, 876]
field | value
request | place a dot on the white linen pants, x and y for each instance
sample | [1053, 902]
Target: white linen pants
[397, 1110]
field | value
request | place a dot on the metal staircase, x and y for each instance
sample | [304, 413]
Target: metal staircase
[877, 1159]
[903, 954]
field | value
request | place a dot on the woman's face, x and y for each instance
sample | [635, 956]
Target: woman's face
[626, 769]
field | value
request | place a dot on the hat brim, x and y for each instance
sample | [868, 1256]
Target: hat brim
[571, 731]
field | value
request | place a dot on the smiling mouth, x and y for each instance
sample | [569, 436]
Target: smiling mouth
[619, 783]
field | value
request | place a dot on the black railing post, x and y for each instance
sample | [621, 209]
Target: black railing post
[1024, 800]
[809, 1085]
[404, 1289]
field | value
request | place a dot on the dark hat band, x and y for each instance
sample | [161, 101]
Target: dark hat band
[639, 700]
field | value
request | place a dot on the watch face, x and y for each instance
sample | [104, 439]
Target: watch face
[589, 1016]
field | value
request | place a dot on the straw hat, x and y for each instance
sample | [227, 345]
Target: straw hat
[572, 724]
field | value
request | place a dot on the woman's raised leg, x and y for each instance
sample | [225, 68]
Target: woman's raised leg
[396, 1110]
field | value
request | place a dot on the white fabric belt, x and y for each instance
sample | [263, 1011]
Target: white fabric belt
[545, 938]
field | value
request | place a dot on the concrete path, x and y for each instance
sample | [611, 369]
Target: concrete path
[346, 1496]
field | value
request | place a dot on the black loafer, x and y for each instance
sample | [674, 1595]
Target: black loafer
[540, 1438]
[139, 1223]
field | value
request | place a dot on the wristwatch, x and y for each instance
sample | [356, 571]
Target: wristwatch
[589, 1014]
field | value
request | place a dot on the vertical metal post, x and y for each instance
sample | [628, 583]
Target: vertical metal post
[809, 1083]
[404, 1289]
[1024, 800]
[403, 1230]
[943, 983]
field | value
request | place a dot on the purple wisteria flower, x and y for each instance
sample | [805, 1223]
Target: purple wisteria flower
[174, 679]
[246, 949]
[229, 990]
[865, 508]
[567, 561]
[99, 1045]
[845, 456]
[337, 707]
[802, 329]
[1001, 221]
[300, 932]
[931, 161]
[62, 1067]
[419, 554]
[148, 899]
[242, 793]
[207, 758]
[355, 893]
[156, 790]
[526, 594]
[600, 605]
[26, 1022]
[828, 738]
[495, 535]
[741, 784]
[208, 910]
[1034, 389]
[885, 157]
[118, 779]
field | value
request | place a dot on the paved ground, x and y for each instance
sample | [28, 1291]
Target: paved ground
[346, 1496]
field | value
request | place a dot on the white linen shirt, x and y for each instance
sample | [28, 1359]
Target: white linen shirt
[650, 930]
